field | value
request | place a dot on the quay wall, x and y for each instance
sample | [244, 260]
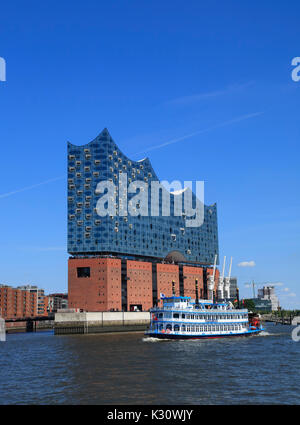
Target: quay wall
[13, 327]
[100, 322]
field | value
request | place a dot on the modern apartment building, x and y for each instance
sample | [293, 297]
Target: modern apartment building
[57, 301]
[268, 293]
[17, 303]
[233, 287]
[42, 299]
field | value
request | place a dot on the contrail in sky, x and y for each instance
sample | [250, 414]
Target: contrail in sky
[170, 142]
[205, 130]
[4, 195]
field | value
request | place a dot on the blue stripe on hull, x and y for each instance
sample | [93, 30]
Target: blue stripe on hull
[177, 336]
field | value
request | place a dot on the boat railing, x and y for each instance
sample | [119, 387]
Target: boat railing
[200, 310]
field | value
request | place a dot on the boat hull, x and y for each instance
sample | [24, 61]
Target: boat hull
[181, 336]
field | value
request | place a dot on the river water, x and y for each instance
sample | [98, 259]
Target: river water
[41, 368]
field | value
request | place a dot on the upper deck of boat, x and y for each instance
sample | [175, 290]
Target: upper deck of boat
[203, 306]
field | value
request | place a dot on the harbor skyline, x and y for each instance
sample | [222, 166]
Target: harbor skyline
[162, 95]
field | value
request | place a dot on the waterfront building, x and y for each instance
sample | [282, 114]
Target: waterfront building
[268, 293]
[57, 302]
[233, 288]
[124, 262]
[42, 299]
[17, 303]
[263, 305]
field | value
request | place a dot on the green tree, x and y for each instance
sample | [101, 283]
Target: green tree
[249, 304]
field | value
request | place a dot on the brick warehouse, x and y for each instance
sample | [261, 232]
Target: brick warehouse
[105, 284]
[124, 263]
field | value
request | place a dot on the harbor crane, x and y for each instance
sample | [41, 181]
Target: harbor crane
[211, 282]
[227, 282]
[221, 282]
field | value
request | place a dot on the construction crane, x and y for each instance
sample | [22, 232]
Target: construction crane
[211, 282]
[227, 282]
[253, 284]
[221, 282]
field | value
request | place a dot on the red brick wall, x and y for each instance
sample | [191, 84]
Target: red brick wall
[139, 284]
[166, 273]
[99, 292]
[44, 305]
[17, 303]
[190, 274]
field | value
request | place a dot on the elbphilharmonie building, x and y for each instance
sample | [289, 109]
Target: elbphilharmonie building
[143, 236]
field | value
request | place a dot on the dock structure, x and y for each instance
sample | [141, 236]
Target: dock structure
[2, 330]
[282, 320]
[100, 322]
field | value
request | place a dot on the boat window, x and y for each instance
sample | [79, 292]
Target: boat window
[160, 315]
[176, 315]
[183, 316]
[169, 327]
[161, 326]
[176, 328]
[183, 328]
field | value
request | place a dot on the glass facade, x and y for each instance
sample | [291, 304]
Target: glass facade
[146, 236]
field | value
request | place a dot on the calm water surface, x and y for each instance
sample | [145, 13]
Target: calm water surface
[127, 369]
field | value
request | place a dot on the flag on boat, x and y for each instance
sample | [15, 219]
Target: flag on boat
[162, 296]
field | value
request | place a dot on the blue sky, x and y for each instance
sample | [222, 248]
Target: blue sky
[203, 89]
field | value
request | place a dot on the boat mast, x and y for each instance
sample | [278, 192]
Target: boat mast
[196, 288]
[173, 288]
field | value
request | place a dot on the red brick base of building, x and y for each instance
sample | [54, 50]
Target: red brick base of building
[112, 284]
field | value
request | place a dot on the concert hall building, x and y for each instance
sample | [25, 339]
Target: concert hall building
[123, 261]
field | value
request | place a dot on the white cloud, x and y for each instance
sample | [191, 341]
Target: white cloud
[274, 284]
[286, 289]
[247, 264]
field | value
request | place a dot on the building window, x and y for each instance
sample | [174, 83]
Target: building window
[83, 272]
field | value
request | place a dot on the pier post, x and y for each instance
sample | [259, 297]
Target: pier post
[2, 330]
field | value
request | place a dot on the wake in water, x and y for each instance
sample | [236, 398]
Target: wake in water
[151, 339]
[264, 333]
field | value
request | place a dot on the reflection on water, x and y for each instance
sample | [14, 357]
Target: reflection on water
[130, 369]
